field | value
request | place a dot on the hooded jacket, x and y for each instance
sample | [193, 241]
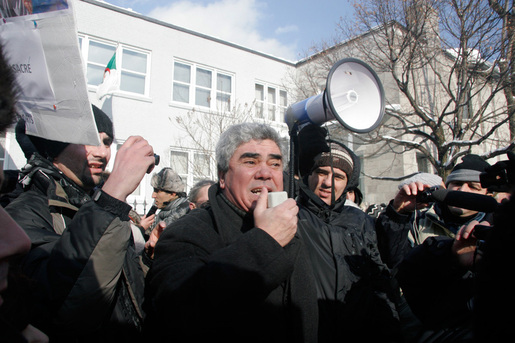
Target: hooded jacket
[87, 277]
[353, 284]
[217, 278]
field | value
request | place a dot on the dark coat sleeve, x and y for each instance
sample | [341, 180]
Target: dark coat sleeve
[392, 236]
[76, 273]
[385, 314]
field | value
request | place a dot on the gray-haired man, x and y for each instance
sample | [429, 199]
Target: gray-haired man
[235, 271]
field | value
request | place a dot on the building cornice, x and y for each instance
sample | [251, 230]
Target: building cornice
[184, 30]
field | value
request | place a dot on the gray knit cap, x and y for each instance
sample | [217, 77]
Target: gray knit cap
[168, 180]
[425, 178]
[468, 170]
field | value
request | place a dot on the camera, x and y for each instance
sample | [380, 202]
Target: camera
[426, 195]
[501, 176]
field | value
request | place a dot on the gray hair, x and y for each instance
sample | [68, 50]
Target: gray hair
[239, 134]
[193, 194]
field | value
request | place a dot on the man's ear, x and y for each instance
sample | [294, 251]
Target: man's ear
[221, 180]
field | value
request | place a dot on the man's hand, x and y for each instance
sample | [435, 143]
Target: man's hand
[134, 158]
[154, 237]
[465, 244]
[406, 199]
[146, 222]
[280, 221]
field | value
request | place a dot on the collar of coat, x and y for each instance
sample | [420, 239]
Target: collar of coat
[43, 175]
[314, 204]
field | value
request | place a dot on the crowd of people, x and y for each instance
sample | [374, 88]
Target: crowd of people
[77, 264]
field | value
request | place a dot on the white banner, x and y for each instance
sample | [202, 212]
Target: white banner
[41, 44]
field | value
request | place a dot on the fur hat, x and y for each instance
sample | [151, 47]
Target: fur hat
[167, 180]
[468, 170]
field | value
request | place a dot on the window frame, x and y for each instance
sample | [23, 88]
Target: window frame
[263, 107]
[84, 45]
[214, 91]
[192, 175]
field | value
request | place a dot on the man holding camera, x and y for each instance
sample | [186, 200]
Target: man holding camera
[88, 283]
[407, 223]
[462, 288]
[418, 237]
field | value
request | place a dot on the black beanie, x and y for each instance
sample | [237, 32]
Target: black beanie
[52, 149]
[104, 123]
[311, 142]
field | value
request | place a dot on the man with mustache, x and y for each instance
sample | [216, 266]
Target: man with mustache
[235, 271]
[87, 277]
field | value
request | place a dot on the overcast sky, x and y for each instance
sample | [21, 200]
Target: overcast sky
[283, 28]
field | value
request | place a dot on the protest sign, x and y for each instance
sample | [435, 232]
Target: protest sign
[41, 44]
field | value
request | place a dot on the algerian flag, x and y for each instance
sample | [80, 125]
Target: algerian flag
[111, 80]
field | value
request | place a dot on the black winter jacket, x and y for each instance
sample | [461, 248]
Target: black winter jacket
[89, 283]
[217, 278]
[354, 285]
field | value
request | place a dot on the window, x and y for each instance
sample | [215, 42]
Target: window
[181, 83]
[271, 103]
[179, 163]
[197, 85]
[423, 164]
[203, 87]
[192, 166]
[132, 64]
[133, 71]
[99, 55]
[260, 101]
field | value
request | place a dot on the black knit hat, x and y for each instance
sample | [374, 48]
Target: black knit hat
[468, 170]
[312, 141]
[51, 149]
[104, 123]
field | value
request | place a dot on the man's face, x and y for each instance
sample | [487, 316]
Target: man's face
[463, 186]
[253, 165]
[320, 183]
[162, 198]
[85, 164]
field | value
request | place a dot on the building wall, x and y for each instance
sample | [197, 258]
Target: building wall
[154, 116]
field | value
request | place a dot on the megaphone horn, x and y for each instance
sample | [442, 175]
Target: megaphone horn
[353, 95]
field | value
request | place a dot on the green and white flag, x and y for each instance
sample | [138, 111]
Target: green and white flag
[111, 81]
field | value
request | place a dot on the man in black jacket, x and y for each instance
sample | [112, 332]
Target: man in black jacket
[353, 284]
[235, 271]
[88, 281]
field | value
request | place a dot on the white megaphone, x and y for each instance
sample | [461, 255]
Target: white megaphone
[353, 95]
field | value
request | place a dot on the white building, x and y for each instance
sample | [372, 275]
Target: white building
[168, 72]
